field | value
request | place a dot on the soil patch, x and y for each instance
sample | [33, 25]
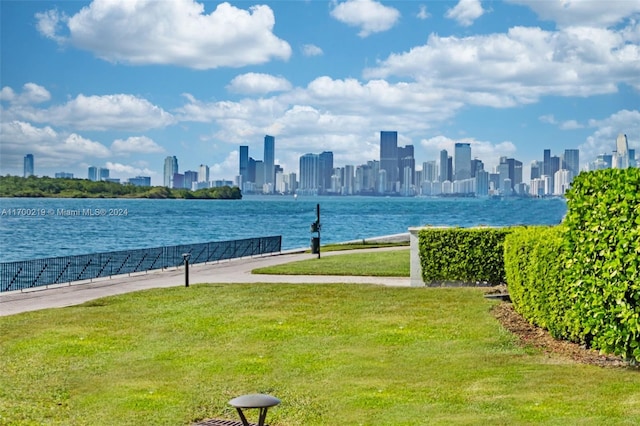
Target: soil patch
[531, 335]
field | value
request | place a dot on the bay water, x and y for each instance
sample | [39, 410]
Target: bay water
[32, 228]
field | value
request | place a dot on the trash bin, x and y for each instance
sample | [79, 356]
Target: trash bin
[315, 245]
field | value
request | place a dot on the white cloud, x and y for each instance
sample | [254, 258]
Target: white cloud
[370, 16]
[465, 12]
[227, 169]
[311, 50]
[565, 125]
[49, 23]
[583, 13]
[127, 170]
[520, 66]
[135, 144]
[176, 32]
[78, 144]
[50, 148]
[488, 152]
[549, 119]
[256, 83]
[423, 13]
[603, 139]
[108, 112]
[31, 94]
[570, 125]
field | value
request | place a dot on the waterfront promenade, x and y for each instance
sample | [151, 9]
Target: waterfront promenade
[234, 271]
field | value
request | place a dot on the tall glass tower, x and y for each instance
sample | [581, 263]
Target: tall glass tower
[28, 165]
[444, 165]
[389, 158]
[269, 158]
[309, 172]
[462, 161]
[170, 168]
[244, 164]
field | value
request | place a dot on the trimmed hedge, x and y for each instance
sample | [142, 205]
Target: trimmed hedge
[602, 257]
[471, 255]
[581, 280]
[534, 273]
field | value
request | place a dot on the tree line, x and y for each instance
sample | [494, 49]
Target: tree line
[33, 186]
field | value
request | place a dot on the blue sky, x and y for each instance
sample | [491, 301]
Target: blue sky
[124, 83]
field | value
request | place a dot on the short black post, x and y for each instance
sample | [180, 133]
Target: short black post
[186, 257]
[318, 222]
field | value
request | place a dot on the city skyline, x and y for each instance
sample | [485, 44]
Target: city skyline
[508, 78]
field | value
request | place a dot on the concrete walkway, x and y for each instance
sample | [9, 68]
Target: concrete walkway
[231, 271]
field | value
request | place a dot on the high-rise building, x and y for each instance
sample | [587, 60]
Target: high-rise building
[325, 165]
[546, 162]
[389, 158]
[462, 161]
[103, 173]
[177, 181]
[406, 160]
[170, 168]
[140, 181]
[621, 157]
[269, 160]
[28, 165]
[429, 171]
[244, 165]
[190, 177]
[444, 165]
[476, 166]
[482, 183]
[203, 173]
[571, 162]
[93, 173]
[309, 173]
[536, 169]
[63, 175]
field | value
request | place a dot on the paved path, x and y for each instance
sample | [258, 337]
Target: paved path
[231, 271]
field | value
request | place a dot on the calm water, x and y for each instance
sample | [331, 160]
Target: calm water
[152, 223]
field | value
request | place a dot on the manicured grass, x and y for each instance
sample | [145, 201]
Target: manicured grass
[363, 245]
[394, 263]
[335, 355]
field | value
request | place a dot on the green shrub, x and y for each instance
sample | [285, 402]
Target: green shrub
[472, 255]
[535, 276]
[602, 256]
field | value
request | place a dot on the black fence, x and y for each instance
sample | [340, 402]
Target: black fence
[27, 274]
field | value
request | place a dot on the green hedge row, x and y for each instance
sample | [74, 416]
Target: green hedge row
[534, 273]
[602, 249]
[471, 255]
[581, 280]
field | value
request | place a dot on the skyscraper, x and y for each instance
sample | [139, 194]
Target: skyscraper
[571, 162]
[93, 173]
[546, 162]
[444, 165]
[269, 159]
[309, 173]
[244, 164]
[170, 168]
[462, 161]
[406, 160]
[325, 165]
[28, 165]
[389, 158]
[621, 157]
[203, 173]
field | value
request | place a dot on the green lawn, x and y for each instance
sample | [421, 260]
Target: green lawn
[393, 263]
[334, 354]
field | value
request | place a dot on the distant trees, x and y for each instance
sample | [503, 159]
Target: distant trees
[33, 186]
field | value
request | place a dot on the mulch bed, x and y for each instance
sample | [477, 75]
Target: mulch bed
[531, 335]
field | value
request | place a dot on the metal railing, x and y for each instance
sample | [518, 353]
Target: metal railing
[27, 274]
